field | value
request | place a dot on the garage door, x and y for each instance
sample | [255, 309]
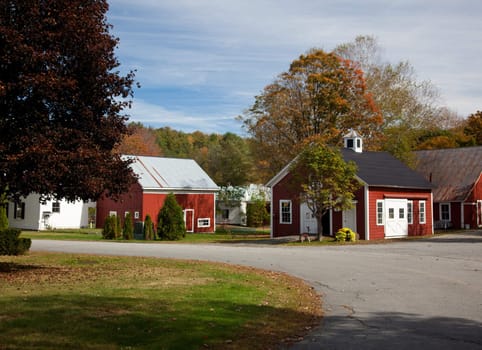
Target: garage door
[396, 224]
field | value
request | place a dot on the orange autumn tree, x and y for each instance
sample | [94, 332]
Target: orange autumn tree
[322, 96]
[140, 141]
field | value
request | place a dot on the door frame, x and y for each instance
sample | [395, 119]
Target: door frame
[191, 227]
[397, 204]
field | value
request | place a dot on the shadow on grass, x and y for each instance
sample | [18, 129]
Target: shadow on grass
[8, 267]
[388, 330]
[96, 322]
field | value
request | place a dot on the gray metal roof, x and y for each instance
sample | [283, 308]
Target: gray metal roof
[156, 173]
[383, 169]
[453, 171]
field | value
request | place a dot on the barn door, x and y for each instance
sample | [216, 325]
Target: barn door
[349, 218]
[308, 220]
[396, 218]
[189, 219]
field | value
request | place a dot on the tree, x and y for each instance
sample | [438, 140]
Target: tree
[327, 181]
[170, 221]
[148, 228]
[230, 161]
[128, 229]
[61, 97]
[322, 95]
[139, 141]
[407, 105]
[256, 212]
[473, 127]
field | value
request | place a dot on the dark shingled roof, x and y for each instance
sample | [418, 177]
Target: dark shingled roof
[382, 169]
[452, 171]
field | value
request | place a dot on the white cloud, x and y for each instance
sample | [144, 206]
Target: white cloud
[204, 57]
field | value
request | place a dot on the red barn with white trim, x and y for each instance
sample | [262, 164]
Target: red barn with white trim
[195, 192]
[393, 201]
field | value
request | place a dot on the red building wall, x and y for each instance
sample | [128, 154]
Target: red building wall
[129, 202]
[414, 229]
[284, 190]
[201, 203]
[470, 208]
[150, 203]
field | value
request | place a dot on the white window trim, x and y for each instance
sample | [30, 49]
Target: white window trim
[383, 212]
[424, 212]
[410, 212]
[281, 211]
[136, 215]
[112, 213]
[440, 211]
[201, 222]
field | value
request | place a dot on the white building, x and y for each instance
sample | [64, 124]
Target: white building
[232, 209]
[31, 214]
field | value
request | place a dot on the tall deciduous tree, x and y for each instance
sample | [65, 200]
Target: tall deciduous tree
[407, 105]
[322, 95]
[327, 181]
[61, 100]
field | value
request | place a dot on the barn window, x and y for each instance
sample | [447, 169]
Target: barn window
[204, 222]
[112, 213]
[56, 207]
[285, 212]
[136, 215]
[410, 212]
[379, 212]
[445, 211]
[422, 213]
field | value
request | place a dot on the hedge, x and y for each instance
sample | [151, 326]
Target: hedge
[11, 244]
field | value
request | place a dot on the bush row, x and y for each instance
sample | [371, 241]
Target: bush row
[170, 224]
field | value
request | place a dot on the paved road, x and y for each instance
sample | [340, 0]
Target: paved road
[405, 295]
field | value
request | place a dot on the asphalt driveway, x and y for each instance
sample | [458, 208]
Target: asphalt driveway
[422, 294]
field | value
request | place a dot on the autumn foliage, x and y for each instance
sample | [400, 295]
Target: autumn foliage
[320, 96]
[61, 99]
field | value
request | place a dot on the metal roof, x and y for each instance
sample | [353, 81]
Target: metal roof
[453, 171]
[383, 169]
[157, 173]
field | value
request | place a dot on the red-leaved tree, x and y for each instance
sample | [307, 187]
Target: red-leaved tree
[61, 100]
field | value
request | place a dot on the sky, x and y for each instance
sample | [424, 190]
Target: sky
[200, 63]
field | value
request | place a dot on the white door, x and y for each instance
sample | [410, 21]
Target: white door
[396, 223]
[349, 218]
[308, 220]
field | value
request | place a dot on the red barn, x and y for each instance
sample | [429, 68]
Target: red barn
[456, 175]
[157, 177]
[394, 201]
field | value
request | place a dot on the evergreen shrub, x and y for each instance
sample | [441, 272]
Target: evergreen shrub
[148, 228]
[11, 244]
[128, 230]
[170, 220]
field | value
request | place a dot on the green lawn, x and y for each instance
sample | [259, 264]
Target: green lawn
[223, 234]
[56, 301]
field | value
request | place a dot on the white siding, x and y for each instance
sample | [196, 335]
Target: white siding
[40, 217]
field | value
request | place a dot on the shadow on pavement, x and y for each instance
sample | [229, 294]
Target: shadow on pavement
[394, 331]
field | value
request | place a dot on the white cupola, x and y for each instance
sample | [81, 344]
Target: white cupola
[353, 141]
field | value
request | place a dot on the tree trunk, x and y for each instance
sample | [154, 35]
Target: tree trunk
[319, 226]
